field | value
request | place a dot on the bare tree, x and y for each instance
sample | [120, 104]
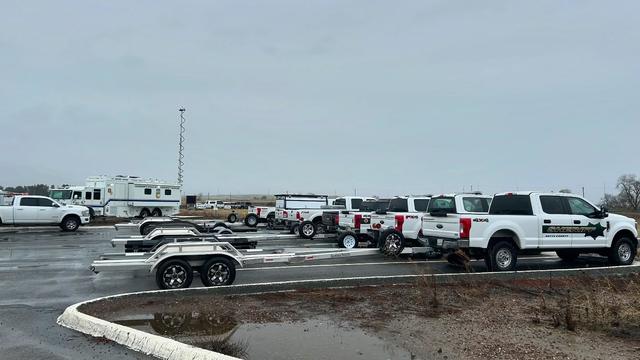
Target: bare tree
[629, 186]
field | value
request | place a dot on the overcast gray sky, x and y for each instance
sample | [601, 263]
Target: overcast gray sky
[389, 97]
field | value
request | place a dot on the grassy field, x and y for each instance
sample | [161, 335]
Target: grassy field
[214, 214]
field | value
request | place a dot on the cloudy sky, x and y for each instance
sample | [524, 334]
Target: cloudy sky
[386, 97]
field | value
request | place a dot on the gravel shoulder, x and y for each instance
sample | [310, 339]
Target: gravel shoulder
[560, 318]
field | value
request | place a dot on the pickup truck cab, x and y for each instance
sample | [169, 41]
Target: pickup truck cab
[400, 225]
[312, 220]
[441, 224]
[564, 223]
[41, 210]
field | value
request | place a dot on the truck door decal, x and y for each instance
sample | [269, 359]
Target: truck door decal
[591, 230]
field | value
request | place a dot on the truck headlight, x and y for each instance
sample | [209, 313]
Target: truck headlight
[85, 213]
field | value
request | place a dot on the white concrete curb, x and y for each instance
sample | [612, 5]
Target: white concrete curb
[168, 349]
[137, 340]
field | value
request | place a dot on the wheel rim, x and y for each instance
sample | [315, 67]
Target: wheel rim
[503, 258]
[252, 220]
[392, 243]
[71, 224]
[218, 274]
[174, 276]
[307, 229]
[349, 241]
[624, 252]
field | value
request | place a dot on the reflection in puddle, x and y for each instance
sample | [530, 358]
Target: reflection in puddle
[310, 339]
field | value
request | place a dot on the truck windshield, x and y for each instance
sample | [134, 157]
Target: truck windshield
[511, 205]
[60, 194]
[442, 204]
[399, 205]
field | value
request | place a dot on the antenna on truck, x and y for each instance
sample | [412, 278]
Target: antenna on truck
[181, 145]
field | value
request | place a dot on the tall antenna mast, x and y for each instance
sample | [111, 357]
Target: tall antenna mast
[181, 146]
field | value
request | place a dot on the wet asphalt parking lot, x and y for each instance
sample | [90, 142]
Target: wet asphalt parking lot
[44, 271]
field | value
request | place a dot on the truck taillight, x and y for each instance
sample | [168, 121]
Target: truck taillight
[337, 218]
[285, 214]
[399, 222]
[357, 219]
[465, 228]
[258, 211]
[297, 215]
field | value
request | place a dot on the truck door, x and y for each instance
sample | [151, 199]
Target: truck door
[590, 231]
[556, 223]
[26, 212]
[47, 213]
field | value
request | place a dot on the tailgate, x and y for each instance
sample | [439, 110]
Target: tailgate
[445, 227]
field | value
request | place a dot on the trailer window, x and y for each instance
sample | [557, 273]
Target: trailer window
[147, 191]
[87, 195]
[96, 194]
[26, 201]
[77, 195]
[167, 192]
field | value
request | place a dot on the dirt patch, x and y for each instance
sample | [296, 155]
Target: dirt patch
[564, 318]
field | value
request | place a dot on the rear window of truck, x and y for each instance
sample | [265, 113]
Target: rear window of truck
[374, 205]
[474, 204]
[511, 205]
[421, 204]
[398, 205]
[444, 204]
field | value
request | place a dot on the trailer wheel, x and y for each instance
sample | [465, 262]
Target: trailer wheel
[218, 271]
[224, 231]
[70, 223]
[251, 220]
[174, 274]
[307, 229]
[348, 240]
[144, 213]
[156, 212]
[232, 218]
[147, 228]
[392, 242]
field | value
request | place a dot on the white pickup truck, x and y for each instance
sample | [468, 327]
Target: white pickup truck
[400, 225]
[564, 223]
[41, 210]
[312, 220]
[353, 226]
[260, 214]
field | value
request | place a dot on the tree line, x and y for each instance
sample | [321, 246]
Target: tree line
[628, 197]
[37, 189]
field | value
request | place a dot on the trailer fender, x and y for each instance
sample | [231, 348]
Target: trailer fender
[184, 257]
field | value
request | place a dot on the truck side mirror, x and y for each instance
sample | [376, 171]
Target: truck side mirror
[604, 212]
[55, 205]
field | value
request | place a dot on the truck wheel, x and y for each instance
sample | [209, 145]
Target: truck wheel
[295, 229]
[622, 252]
[70, 223]
[232, 218]
[144, 213]
[156, 212]
[392, 242]
[174, 274]
[218, 271]
[348, 240]
[567, 255]
[251, 220]
[307, 229]
[503, 256]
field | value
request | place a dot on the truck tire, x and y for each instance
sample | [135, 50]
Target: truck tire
[232, 218]
[307, 229]
[295, 229]
[567, 255]
[70, 223]
[392, 242]
[174, 274]
[218, 271]
[144, 213]
[503, 256]
[348, 240]
[156, 212]
[251, 220]
[622, 252]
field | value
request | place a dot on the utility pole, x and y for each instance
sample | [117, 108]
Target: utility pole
[181, 146]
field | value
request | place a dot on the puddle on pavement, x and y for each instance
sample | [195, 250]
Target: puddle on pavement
[310, 339]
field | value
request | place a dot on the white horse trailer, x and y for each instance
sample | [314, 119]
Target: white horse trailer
[123, 196]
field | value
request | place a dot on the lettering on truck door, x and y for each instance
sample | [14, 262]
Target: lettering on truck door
[589, 231]
[556, 222]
